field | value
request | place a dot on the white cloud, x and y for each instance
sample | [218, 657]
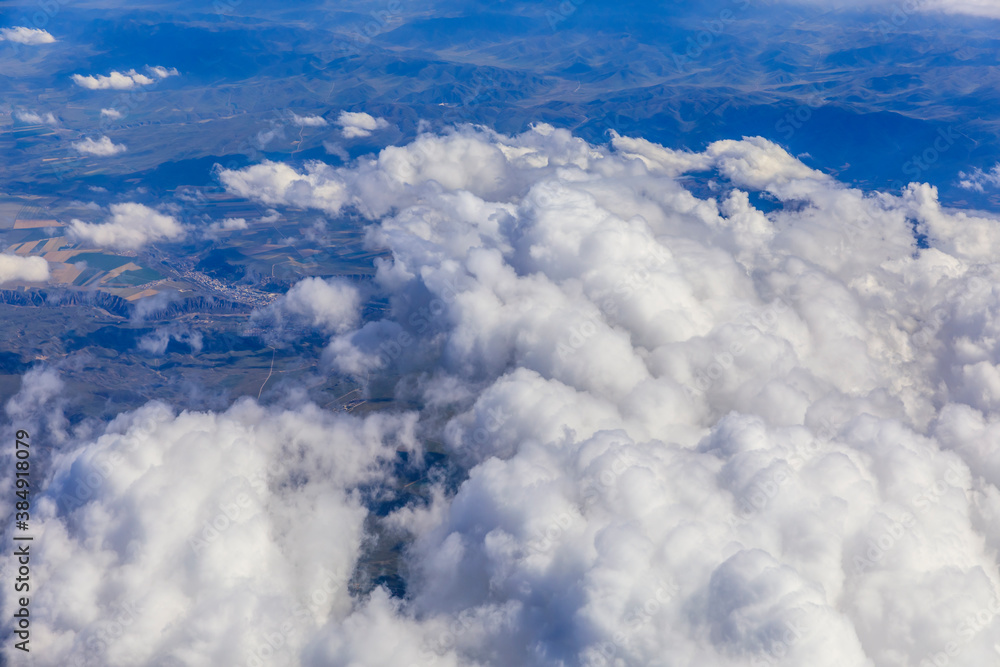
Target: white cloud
[162, 72]
[276, 183]
[240, 555]
[15, 268]
[332, 306]
[123, 80]
[38, 405]
[229, 224]
[40, 386]
[986, 8]
[355, 124]
[113, 114]
[308, 121]
[687, 431]
[102, 147]
[334, 148]
[590, 324]
[897, 13]
[156, 341]
[130, 227]
[35, 118]
[219, 227]
[153, 306]
[978, 180]
[114, 81]
[23, 35]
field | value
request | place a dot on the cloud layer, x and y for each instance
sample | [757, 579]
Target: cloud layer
[980, 180]
[176, 584]
[691, 431]
[898, 11]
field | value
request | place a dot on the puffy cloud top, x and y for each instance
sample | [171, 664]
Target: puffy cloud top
[245, 478]
[130, 227]
[690, 431]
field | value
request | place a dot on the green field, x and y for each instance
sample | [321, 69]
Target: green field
[131, 278]
[88, 274]
[100, 260]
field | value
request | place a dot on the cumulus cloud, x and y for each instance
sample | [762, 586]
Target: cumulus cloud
[15, 267]
[130, 227]
[332, 306]
[308, 121]
[113, 114]
[662, 398]
[102, 147]
[688, 431]
[35, 118]
[277, 183]
[123, 80]
[354, 124]
[23, 35]
[226, 225]
[248, 481]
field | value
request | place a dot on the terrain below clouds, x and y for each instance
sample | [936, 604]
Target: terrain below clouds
[861, 92]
